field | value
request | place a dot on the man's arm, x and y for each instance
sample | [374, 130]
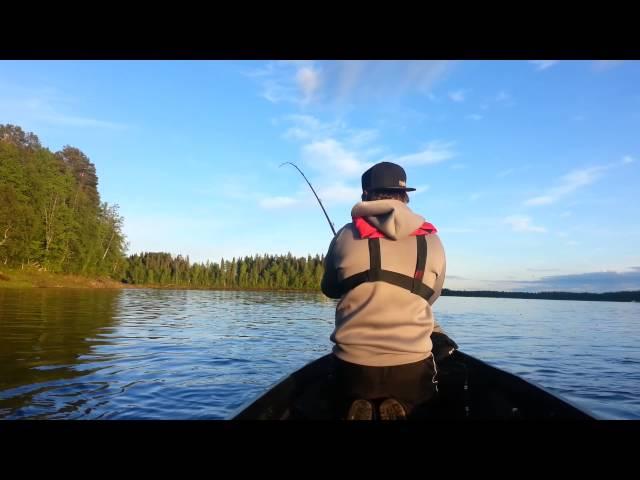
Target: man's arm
[329, 284]
[437, 328]
[437, 288]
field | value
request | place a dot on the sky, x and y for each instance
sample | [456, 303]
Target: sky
[529, 169]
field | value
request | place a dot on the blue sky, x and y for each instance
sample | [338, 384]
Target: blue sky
[529, 169]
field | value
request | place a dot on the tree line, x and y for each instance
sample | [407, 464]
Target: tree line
[51, 214]
[250, 272]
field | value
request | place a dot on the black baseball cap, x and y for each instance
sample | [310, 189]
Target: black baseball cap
[385, 176]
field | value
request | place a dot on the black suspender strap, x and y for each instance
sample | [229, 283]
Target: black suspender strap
[376, 274]
[375, 261]
[421, 262]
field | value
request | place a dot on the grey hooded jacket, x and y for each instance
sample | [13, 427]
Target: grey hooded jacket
[378, 323]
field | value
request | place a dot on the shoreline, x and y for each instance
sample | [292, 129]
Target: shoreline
[30, 278]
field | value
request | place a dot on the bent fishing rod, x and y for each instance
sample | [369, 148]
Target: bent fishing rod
[317, 198]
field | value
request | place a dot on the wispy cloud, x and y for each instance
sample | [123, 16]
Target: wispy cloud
[339, 192]
[308, 127]
[338, 154]
[522, 223]
[47, 106]
[75, 121]
[277, 202]
[543, 64]
[573, 181]
[308, 80]
[568, 184]
[474, 116]
[435, 152]
[597, 282]
[305, 82]
[331, 155]
[505, 173]
[360, 138]
[458, 96]
[601, 65]
[503, 96]
[361, 80]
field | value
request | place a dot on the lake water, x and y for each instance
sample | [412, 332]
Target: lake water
[163, 354]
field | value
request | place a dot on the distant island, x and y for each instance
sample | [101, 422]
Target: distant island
[624, 296]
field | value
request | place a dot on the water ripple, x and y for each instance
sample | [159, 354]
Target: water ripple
[151, 354]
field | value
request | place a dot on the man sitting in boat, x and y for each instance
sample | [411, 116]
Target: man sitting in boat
[387, 267]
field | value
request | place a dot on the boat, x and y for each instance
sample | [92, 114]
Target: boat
[468, 389]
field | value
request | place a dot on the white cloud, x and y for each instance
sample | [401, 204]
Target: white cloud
[346, 81]
[372, 152]
[366, 79]
[522, 223]
[277, 202]
[566, 214]
[330, 155]
[627, 159]
[505, 173]
[475, 196]
[541, 200]
[308, 80]
[458, 166]
[333, 150]
[360, 138]
[474, 116]
[308, 127]
[340, 149]
[74, 121]
[339, 193]
[503, 96]
[568, 184]
[435, 152]
[287, 81]
[572, 243]
[458, 95]
[599, 281]
[602, 65]
[47, 106]
[543, 64]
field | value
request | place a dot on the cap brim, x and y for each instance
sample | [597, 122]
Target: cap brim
[399, 189]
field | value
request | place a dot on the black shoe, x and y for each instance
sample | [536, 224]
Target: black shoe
[360, 410]
[391, 409]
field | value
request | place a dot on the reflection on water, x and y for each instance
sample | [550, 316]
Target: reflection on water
[162, 354]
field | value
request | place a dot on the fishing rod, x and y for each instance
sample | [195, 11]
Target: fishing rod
[317, 198]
